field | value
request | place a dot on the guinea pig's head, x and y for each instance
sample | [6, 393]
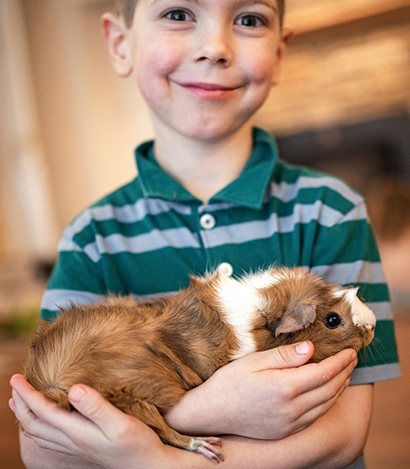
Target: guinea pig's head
[300, 306]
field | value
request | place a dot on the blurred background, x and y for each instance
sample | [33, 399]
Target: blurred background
[68, 128]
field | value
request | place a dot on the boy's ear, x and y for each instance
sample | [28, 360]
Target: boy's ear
[116, 39]
[287, 34]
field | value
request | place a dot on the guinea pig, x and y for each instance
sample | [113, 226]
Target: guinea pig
[144, 356]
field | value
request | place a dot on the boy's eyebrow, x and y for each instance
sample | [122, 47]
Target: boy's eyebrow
[269, 3]
[240, 3]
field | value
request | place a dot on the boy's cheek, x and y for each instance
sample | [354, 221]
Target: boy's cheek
[262, 67]
[161, 56]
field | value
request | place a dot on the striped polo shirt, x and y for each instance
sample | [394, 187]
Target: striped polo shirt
[147, 237]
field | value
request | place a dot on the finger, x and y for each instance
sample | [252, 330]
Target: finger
[30, 401]
[311, 415]
[43, 419]
[12, 406]
[36, 429]
[45, 444]
[329, 391]
[315, 375]
[108, 419]
[317, 402]
[92, 405]
[283, 357]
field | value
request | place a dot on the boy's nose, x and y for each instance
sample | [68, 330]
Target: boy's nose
[214, 46]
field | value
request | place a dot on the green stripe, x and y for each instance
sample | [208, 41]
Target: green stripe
[346, 242]
[66, 276]
[383, 349]
[373, 292]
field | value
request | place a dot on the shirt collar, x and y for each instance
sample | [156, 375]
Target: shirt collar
[247, 190]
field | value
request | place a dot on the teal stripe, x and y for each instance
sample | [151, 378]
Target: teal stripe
[373, 293]
[383, 349]
[66, 274]
[48, 315]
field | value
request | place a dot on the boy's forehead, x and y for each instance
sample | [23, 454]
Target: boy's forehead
[236, 3]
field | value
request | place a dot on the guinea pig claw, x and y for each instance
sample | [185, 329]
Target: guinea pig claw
[207, 446]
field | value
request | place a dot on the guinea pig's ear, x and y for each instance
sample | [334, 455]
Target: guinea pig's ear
[351, 294]
[296, 319]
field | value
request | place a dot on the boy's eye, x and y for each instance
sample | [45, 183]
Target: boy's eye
[178, 15]
[250, 21]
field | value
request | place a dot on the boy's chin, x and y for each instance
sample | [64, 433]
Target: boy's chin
[209, 133]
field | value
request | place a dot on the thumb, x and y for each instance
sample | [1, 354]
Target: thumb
[287, 356]
[91, 404]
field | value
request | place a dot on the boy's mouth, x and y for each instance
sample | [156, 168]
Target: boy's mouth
[209, 90]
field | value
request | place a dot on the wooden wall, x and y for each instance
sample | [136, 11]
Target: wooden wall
[348, 61]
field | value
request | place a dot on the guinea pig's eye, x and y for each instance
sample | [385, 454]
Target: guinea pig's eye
[332, 320]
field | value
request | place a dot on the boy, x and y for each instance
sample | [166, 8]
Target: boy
[210, 192]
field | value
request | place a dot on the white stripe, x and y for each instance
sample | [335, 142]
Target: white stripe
[215, 207]
[55, 299]
[92, 251]
[372, 374]
[154, 240]
[68, 245]
[129, 213]
[243, 232]
[383, 310]
[289, 191]
[354, 272]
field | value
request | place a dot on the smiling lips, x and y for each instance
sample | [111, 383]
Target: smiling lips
[209, 90]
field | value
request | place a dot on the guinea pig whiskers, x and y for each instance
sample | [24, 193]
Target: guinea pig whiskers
[377, 347]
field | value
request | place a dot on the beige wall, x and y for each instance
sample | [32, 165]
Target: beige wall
[27, 225]
[91, 119]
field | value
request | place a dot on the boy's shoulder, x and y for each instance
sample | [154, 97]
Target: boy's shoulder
[295, 181]
[126, 194]
[120, 205]
[291, 182]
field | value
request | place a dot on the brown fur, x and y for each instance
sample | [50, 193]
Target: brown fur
[284, 298]
[143, 357]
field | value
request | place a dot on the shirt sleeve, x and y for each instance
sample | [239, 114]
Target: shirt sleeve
[77, 276]
[346, 253]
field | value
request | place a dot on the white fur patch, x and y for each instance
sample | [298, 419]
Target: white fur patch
[241, 302]
[362, 316]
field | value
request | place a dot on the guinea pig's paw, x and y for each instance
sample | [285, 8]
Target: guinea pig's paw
[208, 447]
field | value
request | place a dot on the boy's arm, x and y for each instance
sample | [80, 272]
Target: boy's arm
[334, 441]
[109, 438]
[265, 395]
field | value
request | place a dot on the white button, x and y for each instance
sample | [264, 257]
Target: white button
[225, 269]
[207, 221]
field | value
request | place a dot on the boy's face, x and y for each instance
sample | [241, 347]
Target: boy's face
[204, 66]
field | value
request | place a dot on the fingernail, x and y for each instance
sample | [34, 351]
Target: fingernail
[302, 348]
[77, 393]
[12, 406]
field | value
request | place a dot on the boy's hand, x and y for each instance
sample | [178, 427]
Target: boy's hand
[98, 433]
[265, 395]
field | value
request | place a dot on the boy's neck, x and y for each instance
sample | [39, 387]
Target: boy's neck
[202, 167]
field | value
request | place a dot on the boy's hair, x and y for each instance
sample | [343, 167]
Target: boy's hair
[127, 9]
